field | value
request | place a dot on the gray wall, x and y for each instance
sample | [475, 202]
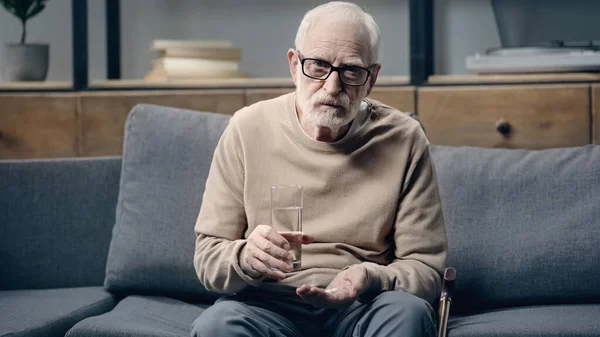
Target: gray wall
[463, 27]
[264, 29]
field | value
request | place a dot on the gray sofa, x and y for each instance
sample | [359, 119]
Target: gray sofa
[104, 246]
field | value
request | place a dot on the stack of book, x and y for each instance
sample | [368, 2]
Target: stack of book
[194, 59]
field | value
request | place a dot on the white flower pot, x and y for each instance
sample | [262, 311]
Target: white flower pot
[24, 62]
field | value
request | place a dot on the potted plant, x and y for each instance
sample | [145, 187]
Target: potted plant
[24, 61]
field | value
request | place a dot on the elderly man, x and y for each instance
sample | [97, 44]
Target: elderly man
[374, 234]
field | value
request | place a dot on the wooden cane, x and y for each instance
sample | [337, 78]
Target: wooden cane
[446, 300]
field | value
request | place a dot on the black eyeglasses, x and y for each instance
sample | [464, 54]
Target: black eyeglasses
[320, 70]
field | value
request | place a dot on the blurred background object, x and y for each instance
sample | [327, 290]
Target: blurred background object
[23, 61]
[194, 59]
[542, 37]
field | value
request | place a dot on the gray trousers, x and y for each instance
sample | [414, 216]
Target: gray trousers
[391, 313]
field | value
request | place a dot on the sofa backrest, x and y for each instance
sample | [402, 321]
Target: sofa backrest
[523, 226]
[166, 157]
[56, 217]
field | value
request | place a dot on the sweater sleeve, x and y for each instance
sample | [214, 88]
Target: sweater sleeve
[222, 220]
[419, 237]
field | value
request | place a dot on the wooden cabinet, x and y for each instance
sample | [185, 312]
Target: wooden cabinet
[511, 116]
[532, 116]
[596, 114]
[38, 125]
[103, 114]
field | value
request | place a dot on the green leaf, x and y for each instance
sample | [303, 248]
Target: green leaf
[23, 9]
[11, 6]
[35, 10]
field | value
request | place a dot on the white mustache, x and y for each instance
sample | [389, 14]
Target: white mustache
[323, 98]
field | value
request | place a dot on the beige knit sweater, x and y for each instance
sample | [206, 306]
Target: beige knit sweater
[370, 198]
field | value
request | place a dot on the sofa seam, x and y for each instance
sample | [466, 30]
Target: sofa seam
[128, 131]
[120, 200]
[111, 298]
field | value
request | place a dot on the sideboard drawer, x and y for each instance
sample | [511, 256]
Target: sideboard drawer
[516, 116]
[38, 126]
[104, 114]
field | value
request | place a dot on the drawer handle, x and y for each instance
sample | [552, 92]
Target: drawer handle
[503, 127]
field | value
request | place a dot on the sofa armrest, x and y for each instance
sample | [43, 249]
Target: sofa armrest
[56, 219]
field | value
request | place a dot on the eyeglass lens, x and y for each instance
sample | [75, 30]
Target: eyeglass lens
[348, 74]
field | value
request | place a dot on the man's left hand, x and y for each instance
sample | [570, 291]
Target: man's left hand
[340, 293]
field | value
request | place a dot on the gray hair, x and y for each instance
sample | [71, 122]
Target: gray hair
[347, 11]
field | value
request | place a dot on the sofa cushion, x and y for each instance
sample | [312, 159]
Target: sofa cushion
[542, 321]
[166, 158]
[50, 312]
[56, 217]
[523, 226]
[142, 317]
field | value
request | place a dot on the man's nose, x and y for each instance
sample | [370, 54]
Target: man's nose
[333, 85]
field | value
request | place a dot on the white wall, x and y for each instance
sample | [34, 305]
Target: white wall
[463, 27]
[264, 29]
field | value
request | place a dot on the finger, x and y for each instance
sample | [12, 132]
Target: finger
[306, 239]
[295, 237]
[308, 292]
[276, 238]
[271, 261]
[312, 298]
[272, 249]
[318, 299]
[291, 237]
[262, 268]
[323, 299]
[303, 290]
[320, 293]
[333, 294]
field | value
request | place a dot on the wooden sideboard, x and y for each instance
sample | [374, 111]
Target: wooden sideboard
[92, 123]
[528, 115]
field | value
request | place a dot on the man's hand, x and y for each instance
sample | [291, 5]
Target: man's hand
[340, 293]
[266, 253]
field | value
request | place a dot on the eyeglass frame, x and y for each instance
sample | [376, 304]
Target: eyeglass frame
[334, 68]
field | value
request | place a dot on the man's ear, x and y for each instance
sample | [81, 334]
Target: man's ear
[373, 78]
[293, 61]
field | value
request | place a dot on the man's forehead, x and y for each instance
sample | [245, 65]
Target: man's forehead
[328, 51]
[349, 47]
[339, 29]
[352, 60]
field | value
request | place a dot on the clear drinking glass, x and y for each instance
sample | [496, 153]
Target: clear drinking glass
[286, 218]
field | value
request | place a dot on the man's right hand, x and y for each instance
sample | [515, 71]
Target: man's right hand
[266, 253]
